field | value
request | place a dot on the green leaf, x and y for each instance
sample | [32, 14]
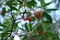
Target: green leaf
[14, 8]
[12, 38]
[8, 3]
[4, 35]
[15, 26]
[30, 25]
[3, 25]
[46, 4]
[6, 29]
[49, 10]
[13, 3]
[20, 3]
[48, 17]
[42, 2]
[31, 3]
[3, 11]
[26, 27]
[22, 29]
[33, 18]
[24, 38]
[50, 33]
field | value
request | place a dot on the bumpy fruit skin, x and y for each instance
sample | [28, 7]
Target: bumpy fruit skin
[29, 19]
[24, 19]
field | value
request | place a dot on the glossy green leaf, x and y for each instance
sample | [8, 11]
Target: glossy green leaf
[43, 25]
[6, 29]
[31, 3]
[26, 27]
[10, 5]
[15, 26]
[30, 25]
[49, 10]
[12, 38]
[48, 17]
[20, 3]
[3, 11]
[46, 4]
[14, 8]
[22, 29]
[24, 38]
[33, 18]
[3, 36]
[3, 25]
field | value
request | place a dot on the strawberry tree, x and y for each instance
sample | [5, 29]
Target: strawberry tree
[37, 24]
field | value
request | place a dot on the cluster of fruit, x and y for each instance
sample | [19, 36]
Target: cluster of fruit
[37, 15]
[40, 32]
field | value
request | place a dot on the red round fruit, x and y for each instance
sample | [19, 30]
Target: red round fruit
[37, 15]
[42, 33]
[39, 31]
[29, 19]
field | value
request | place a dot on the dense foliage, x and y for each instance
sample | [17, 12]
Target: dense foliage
[37, 23]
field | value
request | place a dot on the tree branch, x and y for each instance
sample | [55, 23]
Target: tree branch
[13, 21]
